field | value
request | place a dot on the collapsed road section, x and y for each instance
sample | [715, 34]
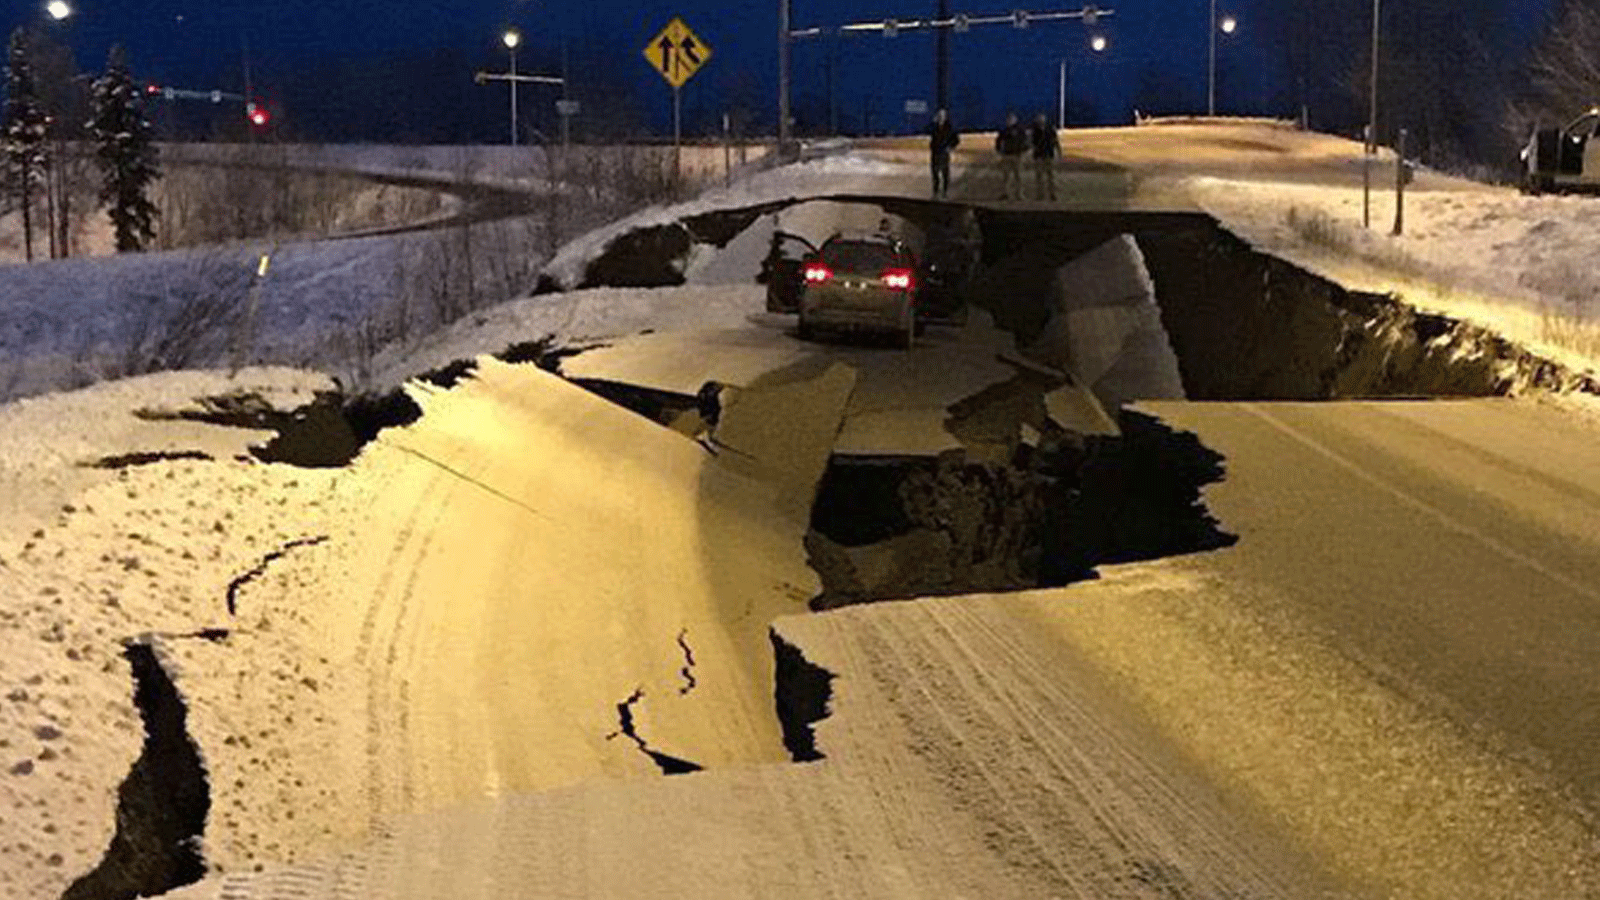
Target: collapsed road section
[1244, 325]
[540, 541]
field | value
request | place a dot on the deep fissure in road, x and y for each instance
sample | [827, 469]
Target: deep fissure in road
[885, 529]
[802, 693]
[161, 805]
[1245, 325]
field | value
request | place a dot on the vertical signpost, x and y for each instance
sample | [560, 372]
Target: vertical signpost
[676, 54]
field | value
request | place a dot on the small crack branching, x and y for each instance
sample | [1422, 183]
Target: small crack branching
[238, 584]
[669, 765]
[689, 682]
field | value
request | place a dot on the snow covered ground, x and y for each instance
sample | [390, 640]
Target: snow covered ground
[1521, 266]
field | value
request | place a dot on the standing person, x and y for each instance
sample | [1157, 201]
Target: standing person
[1046, 148]
[942, 138]
[1011, 143]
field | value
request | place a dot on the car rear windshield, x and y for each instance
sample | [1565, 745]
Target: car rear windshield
[859, 256]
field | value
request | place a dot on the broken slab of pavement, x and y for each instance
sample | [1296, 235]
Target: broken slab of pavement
[1197, 727]
[901, 404]
[958, 762]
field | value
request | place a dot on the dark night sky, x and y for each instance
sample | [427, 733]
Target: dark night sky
[202, 44]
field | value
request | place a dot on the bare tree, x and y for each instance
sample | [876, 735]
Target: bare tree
[1563, 71]
[191, 319]
[1440, 77]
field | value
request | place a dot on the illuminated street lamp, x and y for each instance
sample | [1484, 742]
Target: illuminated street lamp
[512, 38]
[1098, 44]
[58, 9]
[1227, 25]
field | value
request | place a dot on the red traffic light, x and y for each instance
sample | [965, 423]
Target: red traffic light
[257, 114]
[152, 89]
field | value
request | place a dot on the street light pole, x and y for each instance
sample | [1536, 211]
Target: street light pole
[512, 38]
[1372, 99]
[1061, 97]
[1211, 81]
[783, 76]
[1372, 125]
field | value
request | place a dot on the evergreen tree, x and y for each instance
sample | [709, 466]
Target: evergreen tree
[23, 131]
[126, 154]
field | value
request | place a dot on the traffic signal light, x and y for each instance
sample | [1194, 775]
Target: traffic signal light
[257, 114]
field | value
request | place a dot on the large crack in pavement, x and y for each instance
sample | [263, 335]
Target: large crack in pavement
[802, 693]
[163, 803]
[886, 529]
[627, 727]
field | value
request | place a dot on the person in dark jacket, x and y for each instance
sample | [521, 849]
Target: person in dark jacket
[1011, 143]
[1046, 149]
[942, 138]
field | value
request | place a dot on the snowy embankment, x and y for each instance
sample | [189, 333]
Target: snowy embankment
[1519, 266]
[322, 303]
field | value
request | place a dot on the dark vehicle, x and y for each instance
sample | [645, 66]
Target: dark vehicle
[864, 282]
[1563, 159]
[781, 271]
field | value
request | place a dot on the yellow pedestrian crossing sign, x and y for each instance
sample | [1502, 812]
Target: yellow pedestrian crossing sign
[677, 53]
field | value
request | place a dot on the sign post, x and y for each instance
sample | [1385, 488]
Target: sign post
[676, 54]
[566, 109]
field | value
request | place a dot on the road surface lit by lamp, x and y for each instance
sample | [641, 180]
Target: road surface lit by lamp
[58, 9]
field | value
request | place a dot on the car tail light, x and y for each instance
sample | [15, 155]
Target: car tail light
[898, 279]
[817, 273]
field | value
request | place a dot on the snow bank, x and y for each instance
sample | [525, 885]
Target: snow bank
[1520, 266]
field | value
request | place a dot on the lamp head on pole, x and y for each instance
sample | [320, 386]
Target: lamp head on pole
[58, 9]
[511, 38]
[1229, 25]
[1098, 43]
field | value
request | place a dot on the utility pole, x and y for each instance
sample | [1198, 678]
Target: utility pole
[511, 39]
[783, 77]
[941, 75]
[942, 26]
